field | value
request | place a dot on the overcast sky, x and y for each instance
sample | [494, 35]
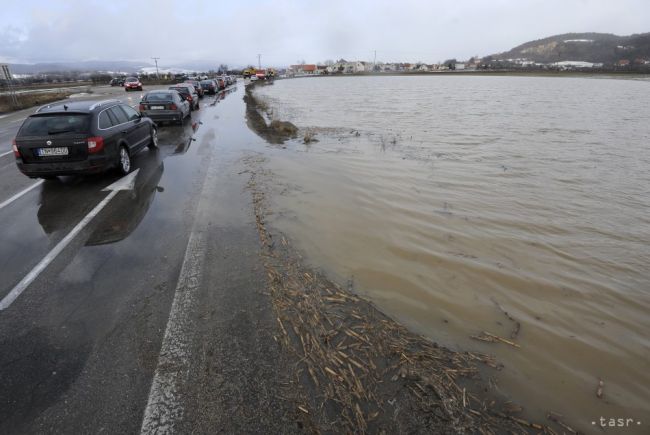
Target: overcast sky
[285, 31]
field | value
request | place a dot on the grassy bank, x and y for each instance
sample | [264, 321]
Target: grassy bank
[36, 86]
[25, 101]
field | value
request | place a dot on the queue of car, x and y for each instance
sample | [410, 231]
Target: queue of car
[84, 137]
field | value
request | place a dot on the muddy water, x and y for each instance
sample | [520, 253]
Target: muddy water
[451, 200]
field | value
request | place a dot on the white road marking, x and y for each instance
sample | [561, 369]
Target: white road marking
[18, 120]
[19, 194]
[124, 183]
[164, 407]
[6, 153]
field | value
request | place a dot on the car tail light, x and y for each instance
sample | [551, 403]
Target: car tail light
[172, 106]
[14, 147]
[141, 108]
[189, 98]
[95, 144]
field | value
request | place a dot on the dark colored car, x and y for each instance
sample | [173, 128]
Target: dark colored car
[209, 86]
[197, 86]
[116, 82]
[132, 84]
[82, 137]
[188, 92]
[165, 105]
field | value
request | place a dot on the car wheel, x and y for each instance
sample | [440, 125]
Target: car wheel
[181, 117]
[153, 142]
[124, 161]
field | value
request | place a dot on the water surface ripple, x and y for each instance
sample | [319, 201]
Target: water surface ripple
[462, 197]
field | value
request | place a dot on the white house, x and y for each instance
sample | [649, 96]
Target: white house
[354, 67]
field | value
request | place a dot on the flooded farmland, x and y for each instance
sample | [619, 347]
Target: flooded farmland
[475, 207]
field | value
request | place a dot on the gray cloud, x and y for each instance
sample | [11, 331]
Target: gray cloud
[285, 30]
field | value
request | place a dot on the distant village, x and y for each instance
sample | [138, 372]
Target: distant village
[474, 64]
[342, 66]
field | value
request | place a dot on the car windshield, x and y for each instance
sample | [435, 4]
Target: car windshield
[159, 96]
[43, 125]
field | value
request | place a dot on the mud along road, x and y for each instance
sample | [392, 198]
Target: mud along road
[116, 292]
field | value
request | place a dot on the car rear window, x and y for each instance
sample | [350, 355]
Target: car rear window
[159, 97]
[181, 89]
[104, 120]
[119, 115]
[206, 82]
[44, 125]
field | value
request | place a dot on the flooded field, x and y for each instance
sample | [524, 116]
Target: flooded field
[471, 206]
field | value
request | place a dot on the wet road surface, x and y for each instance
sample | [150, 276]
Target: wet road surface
[172, 263]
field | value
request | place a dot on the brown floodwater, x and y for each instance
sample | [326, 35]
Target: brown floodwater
[448, 200]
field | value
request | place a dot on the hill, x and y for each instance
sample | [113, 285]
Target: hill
[588, 47]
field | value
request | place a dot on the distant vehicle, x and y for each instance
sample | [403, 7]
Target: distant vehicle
[248, 72]
[132, 84]
[209, 86]
[81, 137]
[260, 74]
[188, 92]
[197, 86]
[165, 106]
[221, 82]
[116, 82]
[254, 77]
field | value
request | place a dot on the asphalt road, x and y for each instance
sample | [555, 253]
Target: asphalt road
[142, 310]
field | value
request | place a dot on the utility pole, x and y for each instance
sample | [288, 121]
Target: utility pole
[5, 74]
[259, 61]
[155, 59]
[374, 62]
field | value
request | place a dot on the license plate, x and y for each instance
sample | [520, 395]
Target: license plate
[57, 151]
[157, 107]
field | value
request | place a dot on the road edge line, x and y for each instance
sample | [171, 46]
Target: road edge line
[6, 202]
[164, 405]
[33, 274]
